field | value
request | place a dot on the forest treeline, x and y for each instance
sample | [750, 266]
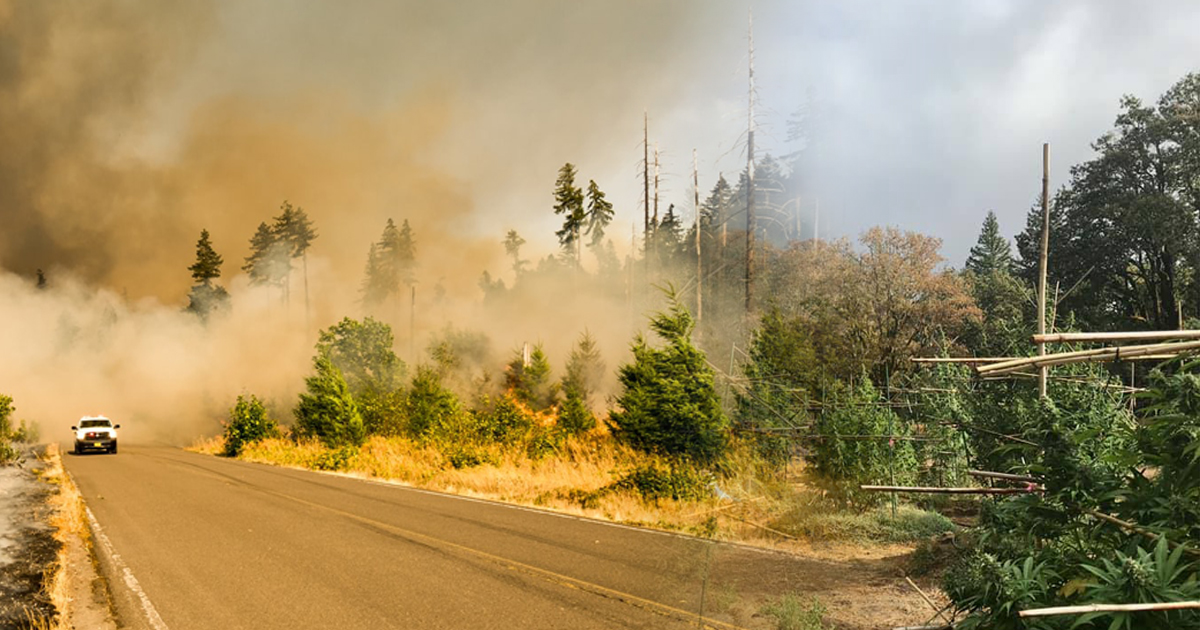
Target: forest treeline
[805, 345]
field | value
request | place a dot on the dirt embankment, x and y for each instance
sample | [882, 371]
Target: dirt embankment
[28, 548]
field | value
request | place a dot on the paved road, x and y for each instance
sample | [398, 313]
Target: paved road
[214, 543]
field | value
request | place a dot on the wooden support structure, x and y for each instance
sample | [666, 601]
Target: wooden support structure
[1144, 335]
[934, 490]
[987, 474]
[1090, 608]
[1115, 353]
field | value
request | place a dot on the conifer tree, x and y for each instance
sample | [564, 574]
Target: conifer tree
[327, 410]
[531, 383]
[208, 262]
[397, 257]
[585, 368]
[374, 288]
[568, 202]
[599, 213]
[670, 404]
[992, 252]
[268, 262]
[295, 231]
[512, 247]
[205, 297]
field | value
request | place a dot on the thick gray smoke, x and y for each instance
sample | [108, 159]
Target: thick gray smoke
[127, 127]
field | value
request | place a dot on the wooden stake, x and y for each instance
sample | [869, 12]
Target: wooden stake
[1041, 347]
[1089, 608]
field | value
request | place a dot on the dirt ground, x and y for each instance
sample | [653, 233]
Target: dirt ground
[28, 550]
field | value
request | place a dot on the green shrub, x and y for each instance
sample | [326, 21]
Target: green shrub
[501, 420]
[793, 613]
[7, 452]
[669, 404]
[363, 352]
[327, 410]
[248, 422]
[656, 480]
[336, 459]
[543, 442]
[430, 404]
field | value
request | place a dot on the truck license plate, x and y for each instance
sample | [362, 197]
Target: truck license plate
[99, 443]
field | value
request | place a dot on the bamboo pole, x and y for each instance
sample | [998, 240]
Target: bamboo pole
[1116, 336]
[699, 258]
[1138, 529]
[960, 359]
[1089, 608]
[1115, 353]
[986, 474]
[932, 490]
[936, 610]
[1041, 323]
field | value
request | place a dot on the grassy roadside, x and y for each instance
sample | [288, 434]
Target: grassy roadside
[594, 476]
[68, 521]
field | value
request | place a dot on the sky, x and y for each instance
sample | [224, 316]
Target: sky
[136, 124]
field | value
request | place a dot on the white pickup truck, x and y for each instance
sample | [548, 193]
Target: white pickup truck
[95, 433]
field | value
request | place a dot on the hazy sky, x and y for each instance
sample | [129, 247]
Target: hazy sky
[935, 111]
[458, 114]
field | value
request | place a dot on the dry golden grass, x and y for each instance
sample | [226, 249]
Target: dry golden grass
[581, 466]
[68, 520]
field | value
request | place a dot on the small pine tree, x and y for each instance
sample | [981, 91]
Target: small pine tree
[992, 253]
[531, 383]
[670, 404]
[585, 368]
[430, 404]
[248, 422]
[327, 410]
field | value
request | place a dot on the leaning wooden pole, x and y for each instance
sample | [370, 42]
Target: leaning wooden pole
[1041, 327]
[699, 259]
[1091, 608]
[750, 182]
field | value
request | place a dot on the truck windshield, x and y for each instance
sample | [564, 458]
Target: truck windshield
[95, 423]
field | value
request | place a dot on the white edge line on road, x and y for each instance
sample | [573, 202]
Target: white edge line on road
[131, 582]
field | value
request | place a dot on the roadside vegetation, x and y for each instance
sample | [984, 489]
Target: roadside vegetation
[820, 396]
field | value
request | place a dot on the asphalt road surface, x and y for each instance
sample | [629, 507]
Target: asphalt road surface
[204, 542]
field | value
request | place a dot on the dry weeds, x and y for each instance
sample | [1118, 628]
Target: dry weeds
[68, 521]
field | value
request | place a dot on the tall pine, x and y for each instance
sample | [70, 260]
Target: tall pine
[992, 252]
[205, 297]
[568, 203]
